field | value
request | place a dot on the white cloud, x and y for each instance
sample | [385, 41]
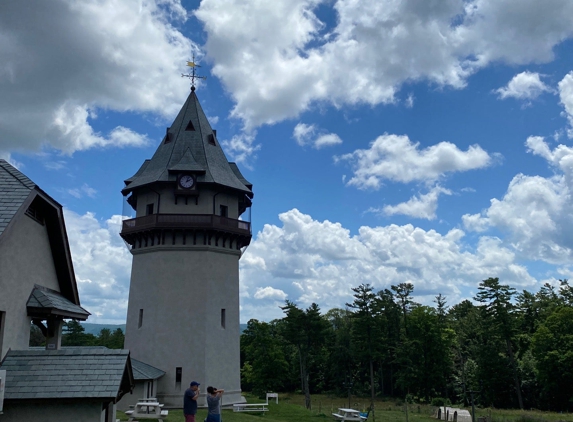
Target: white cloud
[242, 147]
[566, 96]
[524, 86]
[302, 133]
[327, 140]
[270, 293]
[306, 135]
[420, 206]
[84, 190]
[374, 47]
[396, 158]
[102, 264]
[57, 73]
[313, 261]
[410, 100]
[534, 210]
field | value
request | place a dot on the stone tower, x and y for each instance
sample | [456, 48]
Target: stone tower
[186, 241]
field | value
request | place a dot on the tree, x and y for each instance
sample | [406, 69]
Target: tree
[366, 333]
[498, 309]
[74, 335]
[341, 359]
[402, 291]
[264, 364]
[553, 349]
[37, 339]
[306, 331]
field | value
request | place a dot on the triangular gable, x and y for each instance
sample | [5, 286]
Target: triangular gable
[187, 163]
[17, 195]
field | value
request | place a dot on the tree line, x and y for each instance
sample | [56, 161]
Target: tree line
[510, 349]
[73, 334]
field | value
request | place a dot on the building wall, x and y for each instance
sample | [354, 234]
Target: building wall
[30, 411]
[139, 392]
[204, 203]
[181, 291]
[25, 259]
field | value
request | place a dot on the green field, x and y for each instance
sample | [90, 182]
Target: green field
[291, 409]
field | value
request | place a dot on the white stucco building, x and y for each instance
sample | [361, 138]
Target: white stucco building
[186, 239]
[38, 285]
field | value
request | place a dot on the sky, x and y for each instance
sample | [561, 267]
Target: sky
[387, 141]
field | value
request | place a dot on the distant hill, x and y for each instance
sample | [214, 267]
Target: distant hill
[96, 328]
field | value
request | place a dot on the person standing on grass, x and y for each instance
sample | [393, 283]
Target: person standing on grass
[190, 401]
[213, 402]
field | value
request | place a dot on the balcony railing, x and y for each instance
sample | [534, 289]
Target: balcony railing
[185, 221]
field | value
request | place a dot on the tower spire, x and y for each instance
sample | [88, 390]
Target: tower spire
[192, 75]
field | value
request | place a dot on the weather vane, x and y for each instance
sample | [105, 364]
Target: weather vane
[192, 75]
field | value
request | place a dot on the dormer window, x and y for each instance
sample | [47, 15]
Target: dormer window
[190, 126]
[211, 139]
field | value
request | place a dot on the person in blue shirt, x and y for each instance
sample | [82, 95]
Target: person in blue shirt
[213, 401]
[190, 401]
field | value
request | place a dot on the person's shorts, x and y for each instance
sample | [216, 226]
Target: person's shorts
[189, 418]
[213, 418]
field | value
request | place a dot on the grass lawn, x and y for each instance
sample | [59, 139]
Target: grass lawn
[291, 409]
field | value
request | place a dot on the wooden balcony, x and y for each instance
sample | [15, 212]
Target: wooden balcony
[185, 222]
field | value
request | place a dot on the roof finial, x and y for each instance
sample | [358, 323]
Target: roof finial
[193, 76]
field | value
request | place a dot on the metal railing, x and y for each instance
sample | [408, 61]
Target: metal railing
[185, 221]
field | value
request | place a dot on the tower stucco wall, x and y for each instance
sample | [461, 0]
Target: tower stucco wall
[181, 292]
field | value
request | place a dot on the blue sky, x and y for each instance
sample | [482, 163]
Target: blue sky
[415, 141]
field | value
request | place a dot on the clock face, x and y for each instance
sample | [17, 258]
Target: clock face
[186, 181]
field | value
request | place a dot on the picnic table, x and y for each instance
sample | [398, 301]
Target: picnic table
[247, 407]
[147, 409]
[348, 415]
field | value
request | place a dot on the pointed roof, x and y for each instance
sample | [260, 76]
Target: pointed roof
[191, 145]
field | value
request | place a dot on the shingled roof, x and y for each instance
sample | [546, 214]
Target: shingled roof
[143, 371]
[15, 189]
[44, 302]
[67, 373]
[190, 145]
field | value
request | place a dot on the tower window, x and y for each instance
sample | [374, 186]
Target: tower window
[211, 139]
[140, 323]
[167, 138]
[2, 323]
[190, 126]
[178, 376]
[224, 210]
[223, 322]
[149, 209]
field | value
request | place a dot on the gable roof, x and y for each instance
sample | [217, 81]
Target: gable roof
[143, 371]
[68, 373]
[15, 188]
[17, 194]
[44, 302]
[190, 144]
